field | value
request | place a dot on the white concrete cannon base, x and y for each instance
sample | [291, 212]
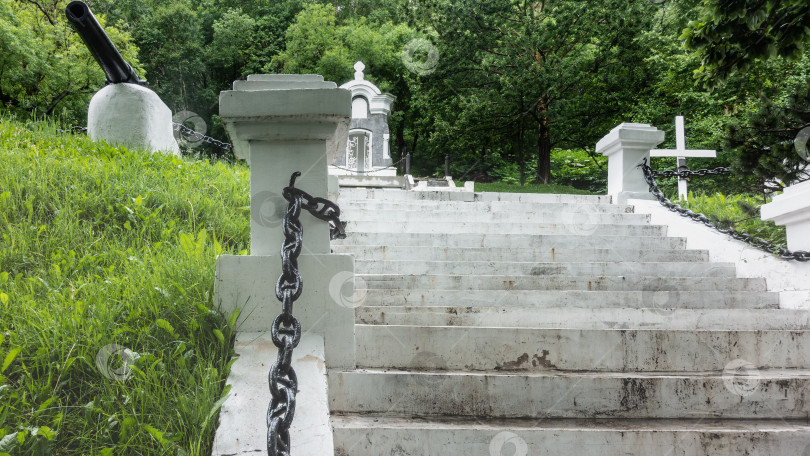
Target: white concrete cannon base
[133, 116]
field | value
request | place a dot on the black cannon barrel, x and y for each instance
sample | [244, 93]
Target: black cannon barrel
[106, 54]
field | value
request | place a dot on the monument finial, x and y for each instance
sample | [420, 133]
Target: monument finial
[358, 71]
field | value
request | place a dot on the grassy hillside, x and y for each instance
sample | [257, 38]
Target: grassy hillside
[103, 246]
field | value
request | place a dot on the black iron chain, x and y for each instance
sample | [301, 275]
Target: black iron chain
[684, 173]
[197, 136]
[649, 177]
[74, 130]
[184, 130]
[286, 329]
[392, 165]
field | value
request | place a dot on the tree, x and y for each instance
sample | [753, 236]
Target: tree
[733, 35]
[730, 35]
[565, 69]
[45, 69]
[318, 42]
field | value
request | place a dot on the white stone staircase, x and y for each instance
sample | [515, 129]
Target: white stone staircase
[506, 324]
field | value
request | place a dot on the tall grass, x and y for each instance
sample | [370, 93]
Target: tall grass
[102, 245]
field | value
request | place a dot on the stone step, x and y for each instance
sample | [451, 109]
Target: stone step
[482, 206]
[511, 241]
[374, 435]
[586, 318]
[379, 252]
[765, 394]
[568, 299]
[532, 350]
[461, 216]
[427, 226]
[561, 282]
[614, 268]
[397, 195]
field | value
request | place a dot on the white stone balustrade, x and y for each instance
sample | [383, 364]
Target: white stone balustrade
[792, 209]
[626, 146]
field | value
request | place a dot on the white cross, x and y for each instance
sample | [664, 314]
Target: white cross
[681, 152]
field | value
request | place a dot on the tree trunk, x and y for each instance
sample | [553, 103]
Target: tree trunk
[521, 156]
[400, 135]
[543, 145]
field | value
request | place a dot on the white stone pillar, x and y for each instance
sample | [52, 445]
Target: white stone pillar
[282, 124]
[133, 116]
[792, 209]
[626, 146]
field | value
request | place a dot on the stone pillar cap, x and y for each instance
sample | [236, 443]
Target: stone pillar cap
[791, 206]
[630, 135]
[284, 107]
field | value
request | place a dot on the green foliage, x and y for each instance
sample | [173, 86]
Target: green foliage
[522, 78]
[579, 169]
[764, 137]
[528, 188]
[730, 35]
[738, 212]
[45, 69]
[103, 246]
[318, 43]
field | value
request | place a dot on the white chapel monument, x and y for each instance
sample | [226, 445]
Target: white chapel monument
[368, 149]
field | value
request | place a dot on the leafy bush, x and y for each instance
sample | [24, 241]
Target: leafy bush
[102, 246]
[740, 212]
[580, 170]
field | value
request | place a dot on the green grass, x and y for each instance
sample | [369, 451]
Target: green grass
[100, 246]
[528, 188]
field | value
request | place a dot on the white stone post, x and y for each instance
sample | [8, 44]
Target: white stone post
[626, 146]
[282, 124]
[792, 209]
[133, 116]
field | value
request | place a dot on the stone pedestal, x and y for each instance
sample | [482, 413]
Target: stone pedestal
[133, 116]
[626, 146]
[792, 209]
[282, 124]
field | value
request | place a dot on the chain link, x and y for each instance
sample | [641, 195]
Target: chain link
[197, 136]
[184, 130]
[649, 177]
[74, 130]
[286, 329]
[685, 173]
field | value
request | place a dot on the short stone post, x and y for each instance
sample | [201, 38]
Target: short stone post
[281, 124]
[626, 146]
[792, 209]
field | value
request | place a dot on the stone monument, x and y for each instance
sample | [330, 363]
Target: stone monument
[368, 148]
